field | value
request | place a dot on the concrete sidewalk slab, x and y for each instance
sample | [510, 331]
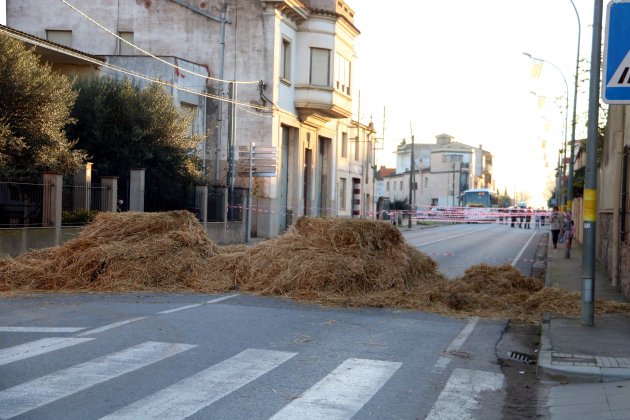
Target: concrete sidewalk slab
[571, 352]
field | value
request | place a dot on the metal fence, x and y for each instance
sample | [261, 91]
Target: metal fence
[233, 206]
[21, 204]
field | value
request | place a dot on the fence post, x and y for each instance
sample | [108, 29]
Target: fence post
[109, 193]
[52, 205]
[202, 195]
[136, 190]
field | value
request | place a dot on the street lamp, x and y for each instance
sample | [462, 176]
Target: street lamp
[566, 110]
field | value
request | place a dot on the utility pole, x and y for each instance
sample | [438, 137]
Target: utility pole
[590, 178]
[217, 164]
[573, 121]
[411, 178]
[453, 191]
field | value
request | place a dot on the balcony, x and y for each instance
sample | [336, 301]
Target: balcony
[323, 103]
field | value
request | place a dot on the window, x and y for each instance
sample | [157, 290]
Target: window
[344, 144]
[320, 67]
[342, 74]
[452, 158]
[401, 185]
[123, 47]
[387, 186]
[342, 193]
[357, 149]
[285, 60]
[426, 181]
[60, 37]
[189, 110]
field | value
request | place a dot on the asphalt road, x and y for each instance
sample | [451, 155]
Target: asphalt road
[458, 246]
[237, 356]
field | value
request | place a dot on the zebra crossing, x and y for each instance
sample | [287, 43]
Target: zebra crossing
[339, 395]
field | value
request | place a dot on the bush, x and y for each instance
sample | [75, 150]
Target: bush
[78, 217]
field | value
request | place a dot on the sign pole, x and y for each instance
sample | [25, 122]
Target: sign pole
[590, 180]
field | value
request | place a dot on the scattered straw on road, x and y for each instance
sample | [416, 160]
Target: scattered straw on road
[343, 262]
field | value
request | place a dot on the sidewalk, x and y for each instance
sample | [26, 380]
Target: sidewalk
[592, 364]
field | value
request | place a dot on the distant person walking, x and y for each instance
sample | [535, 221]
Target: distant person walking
[537, 219]
[556, 220]
[528, 218]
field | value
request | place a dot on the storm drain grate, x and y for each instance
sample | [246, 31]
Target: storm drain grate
[521, 357]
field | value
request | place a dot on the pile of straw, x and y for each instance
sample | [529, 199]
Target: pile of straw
[119, 252]
[329, 261]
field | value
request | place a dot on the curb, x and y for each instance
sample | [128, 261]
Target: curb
[575, 372]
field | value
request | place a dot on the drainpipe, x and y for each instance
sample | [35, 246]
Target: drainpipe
[217, 168]
[616, 225]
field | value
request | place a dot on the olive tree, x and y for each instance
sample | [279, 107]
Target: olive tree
[35, 104]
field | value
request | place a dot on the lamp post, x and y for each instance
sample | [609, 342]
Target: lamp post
[566, 114]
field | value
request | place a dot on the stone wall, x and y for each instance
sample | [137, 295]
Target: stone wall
[605, 240]
[624, 269]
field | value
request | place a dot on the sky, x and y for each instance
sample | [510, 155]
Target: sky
[457, 67]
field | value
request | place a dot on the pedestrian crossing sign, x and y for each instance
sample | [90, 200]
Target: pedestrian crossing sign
[616, 86]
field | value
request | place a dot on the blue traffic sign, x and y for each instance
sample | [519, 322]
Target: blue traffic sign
[616, 89]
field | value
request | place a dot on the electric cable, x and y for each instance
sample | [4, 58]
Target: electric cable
[148, 53]
[135, 73]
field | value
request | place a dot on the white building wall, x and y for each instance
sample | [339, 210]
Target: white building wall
[3, 12]
[252, 53]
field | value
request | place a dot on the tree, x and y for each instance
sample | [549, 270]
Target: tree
[123, 126]
[35, 105]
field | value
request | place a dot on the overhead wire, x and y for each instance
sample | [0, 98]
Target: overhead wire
[139, 75]
[152, 55]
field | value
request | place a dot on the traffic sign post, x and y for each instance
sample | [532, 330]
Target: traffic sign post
[616, 86]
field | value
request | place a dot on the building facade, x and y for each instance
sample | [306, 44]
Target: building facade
[276, 74]
[441, 172]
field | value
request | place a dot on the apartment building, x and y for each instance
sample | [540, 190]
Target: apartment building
[276, 74]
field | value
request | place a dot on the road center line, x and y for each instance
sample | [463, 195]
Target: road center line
[221, 299]
[523, 249]
[111, 326]
[454, 236]
[181, 308]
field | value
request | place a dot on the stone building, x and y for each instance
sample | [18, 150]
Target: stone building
[276, 74]
[441, 172]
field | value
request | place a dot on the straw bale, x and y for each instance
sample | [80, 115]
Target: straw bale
[119, 251]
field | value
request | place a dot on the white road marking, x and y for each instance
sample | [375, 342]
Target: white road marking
[37, 347]
[518, 257]
[456, 344]
[221, 299]
[111, 326]
[441, 364]
[46, 389]
[454, 236]
[460, 395]
[196, 392]
[463, 335]
[342, 393]
[41, 329]
[181, 308]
